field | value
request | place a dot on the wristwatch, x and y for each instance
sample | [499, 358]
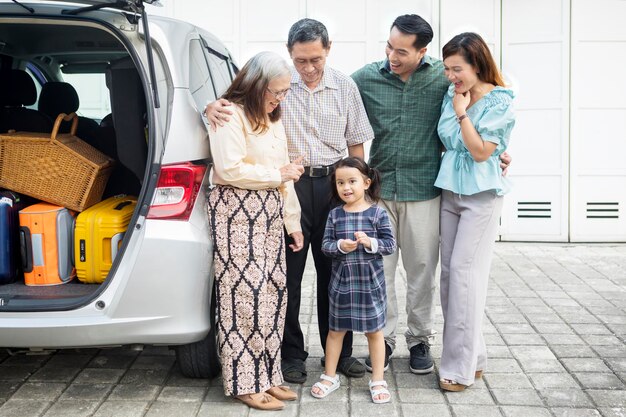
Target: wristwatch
[461, 117]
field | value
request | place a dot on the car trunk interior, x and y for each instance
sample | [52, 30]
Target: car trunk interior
[46, 52]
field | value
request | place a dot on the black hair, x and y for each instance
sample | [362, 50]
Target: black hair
[373, 192]
[307, 30]
[412, 24]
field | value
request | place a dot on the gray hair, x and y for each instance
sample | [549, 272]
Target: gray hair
[264, 67]
[249, 87]
[307, 30]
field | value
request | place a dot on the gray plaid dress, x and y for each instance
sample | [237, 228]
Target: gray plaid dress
[357, 295]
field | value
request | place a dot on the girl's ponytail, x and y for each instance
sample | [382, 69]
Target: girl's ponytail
[373, 191]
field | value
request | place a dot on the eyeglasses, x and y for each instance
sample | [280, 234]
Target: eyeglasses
[279, 94]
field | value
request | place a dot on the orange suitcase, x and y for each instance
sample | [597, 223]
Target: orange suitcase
[46, 237]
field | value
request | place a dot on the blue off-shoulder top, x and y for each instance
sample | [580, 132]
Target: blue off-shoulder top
[493, 118]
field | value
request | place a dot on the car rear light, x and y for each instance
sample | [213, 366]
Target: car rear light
[176, 191]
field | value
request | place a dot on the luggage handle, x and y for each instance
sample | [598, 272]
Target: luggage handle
[26, 249]
[64, 117]
[122, 205]
[115, 241]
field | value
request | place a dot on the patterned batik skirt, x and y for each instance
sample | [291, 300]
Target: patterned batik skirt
[250, 282]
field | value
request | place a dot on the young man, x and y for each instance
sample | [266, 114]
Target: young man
[403, 95]
[323, 116]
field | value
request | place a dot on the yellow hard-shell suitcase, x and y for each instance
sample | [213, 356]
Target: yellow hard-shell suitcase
[98, 235]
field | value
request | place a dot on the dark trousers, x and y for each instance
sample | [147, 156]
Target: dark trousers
[315, 196]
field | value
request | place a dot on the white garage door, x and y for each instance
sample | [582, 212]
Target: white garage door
[598, 121]
[570, 139]
[535, 56]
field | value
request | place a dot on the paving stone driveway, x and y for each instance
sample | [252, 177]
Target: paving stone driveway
[555, 330]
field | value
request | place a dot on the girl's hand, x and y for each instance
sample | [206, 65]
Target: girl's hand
[348, 245]
[298, 241]
[363, 239]
[460, 103]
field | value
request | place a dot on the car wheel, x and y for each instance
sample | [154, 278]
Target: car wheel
[200, 359]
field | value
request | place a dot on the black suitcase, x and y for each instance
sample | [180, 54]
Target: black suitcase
[10, 260]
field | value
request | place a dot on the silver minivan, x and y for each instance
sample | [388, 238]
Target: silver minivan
[139, 84]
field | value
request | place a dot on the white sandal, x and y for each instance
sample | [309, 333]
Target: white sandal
[325, 389]
[380, 391]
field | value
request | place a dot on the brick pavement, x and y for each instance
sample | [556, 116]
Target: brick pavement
[555, 330]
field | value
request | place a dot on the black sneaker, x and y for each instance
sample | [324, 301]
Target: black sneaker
[421, 362]
[368, 361]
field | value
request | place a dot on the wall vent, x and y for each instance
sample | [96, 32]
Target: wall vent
[602, 210]
[534, 210]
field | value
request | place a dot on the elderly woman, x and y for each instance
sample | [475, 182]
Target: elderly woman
[252, 200]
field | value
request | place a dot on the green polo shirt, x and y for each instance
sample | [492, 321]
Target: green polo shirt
[404, 115]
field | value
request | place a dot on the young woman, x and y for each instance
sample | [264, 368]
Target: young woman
[475, 128]
[357, 235]
[252, 199]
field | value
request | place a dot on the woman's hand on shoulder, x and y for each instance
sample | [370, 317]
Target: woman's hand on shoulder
[292, 171]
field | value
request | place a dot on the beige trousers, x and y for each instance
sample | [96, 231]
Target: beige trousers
[416, 227]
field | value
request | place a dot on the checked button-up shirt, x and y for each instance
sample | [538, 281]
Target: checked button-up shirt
[404, 115]
[322, 123]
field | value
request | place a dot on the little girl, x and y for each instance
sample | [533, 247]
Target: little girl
[357, 235]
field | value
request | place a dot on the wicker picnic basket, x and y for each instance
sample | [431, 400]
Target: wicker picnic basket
[57, 168]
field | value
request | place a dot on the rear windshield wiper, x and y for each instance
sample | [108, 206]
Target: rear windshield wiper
[120, 4]
[30, 9]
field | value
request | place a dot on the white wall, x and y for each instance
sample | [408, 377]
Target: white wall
[569, 142]
[598, 121]
[358, 28]
[537, 60]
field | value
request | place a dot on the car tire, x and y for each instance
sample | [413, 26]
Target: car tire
[200, 359]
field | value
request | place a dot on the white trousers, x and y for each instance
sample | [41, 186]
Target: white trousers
[416, 227]
[469, 226]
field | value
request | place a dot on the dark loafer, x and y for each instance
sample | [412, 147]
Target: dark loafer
[349, 366]
[294, 371]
